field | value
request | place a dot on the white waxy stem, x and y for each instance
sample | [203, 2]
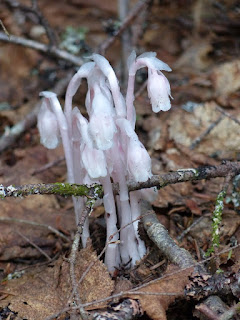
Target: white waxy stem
[112, 255]
[135, 197]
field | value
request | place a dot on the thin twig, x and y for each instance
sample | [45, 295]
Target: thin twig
[132, 15]
[207, 312]
[4, 28]
[34, 9]
[186, 231]
[52, 51]
[109, 241]
[48, 165]
[62, 189]
[159, 181]
[11, 135]
[226, 114]
[82, 221]
[34, 245]
[73, 255]
[32, 223]
[199, 139]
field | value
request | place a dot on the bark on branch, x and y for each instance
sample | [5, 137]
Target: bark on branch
[96, 190]
[52, 51]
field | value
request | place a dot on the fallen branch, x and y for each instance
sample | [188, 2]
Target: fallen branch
[126, 22]
[159, 181]
[211, 308]
[36, 224]
[159, 235]
[41, 18]
[52, 51]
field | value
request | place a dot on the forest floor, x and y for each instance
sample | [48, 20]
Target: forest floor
[200, 41]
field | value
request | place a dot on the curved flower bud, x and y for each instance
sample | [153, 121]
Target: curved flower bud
[82, 125]
[158, 91]
[101, 125]
[147, 59]
[94, 162]
[54, 105]
[48, 127]
[126, 127]
[72, 88]
[138, 161]
[109, 73]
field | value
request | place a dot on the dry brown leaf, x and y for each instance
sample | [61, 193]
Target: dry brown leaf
[193, 206]
[14, 82]
[97, 284]
[226, 78]
[46, 290]
[34, 295]
[196, 57]
[156, 305]
[43, 209]
[223, 140]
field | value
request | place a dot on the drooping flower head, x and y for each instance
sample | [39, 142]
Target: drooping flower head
[48, 126]
[158, 85]
[102, 125]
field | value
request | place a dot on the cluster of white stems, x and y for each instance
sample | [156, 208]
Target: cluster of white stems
[105, 148]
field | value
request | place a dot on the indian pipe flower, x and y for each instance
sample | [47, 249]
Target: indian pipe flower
[105, 148]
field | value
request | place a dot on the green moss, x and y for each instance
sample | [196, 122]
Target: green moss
[72, 189]
[217, 219]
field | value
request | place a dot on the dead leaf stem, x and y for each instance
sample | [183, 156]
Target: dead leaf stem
[34, 245]
[36, 224]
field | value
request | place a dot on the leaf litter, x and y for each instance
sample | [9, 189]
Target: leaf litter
[43, 290]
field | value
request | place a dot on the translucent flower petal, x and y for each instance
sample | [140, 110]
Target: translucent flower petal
[158, 91]
[139, 161]
[48, 127]
[153, 63]
[94, 162]
[149, 54]
[101, 125]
